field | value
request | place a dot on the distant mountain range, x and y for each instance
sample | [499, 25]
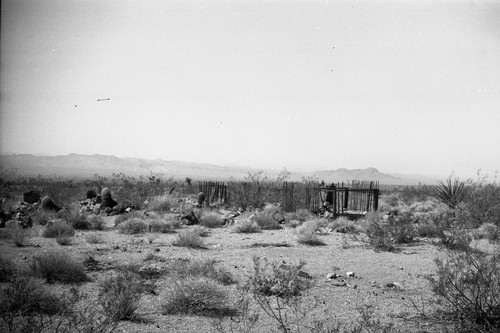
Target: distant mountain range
[86, 166]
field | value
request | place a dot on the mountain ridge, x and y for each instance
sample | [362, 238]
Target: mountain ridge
[84, 166]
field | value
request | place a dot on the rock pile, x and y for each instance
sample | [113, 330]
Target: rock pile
[103, 204]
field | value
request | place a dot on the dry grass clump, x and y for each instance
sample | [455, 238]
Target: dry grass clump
[58, 228]
[306, 233]
[211, 219]
[197, 296]
[162, 203]
[58, 267]
[189, 238]
[246, 226]
[133, 226]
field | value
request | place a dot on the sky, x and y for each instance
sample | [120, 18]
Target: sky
[403, 86]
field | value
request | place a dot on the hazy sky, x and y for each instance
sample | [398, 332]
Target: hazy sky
[403, 86]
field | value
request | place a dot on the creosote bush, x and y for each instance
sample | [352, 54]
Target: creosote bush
[58, 267]
[469, 283]
[246, 226]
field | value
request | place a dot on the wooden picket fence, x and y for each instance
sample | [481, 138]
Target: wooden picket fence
[349, 198]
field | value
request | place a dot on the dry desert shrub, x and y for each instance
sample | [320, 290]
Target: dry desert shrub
[247, 226]
[58, 267]
[41, 217]
[300, 215]
[75, 219]
[162, 225]
[307, 234]
[344, 225]
[202, 268]
[189, 238]
[7, 268]
[488, 231]
[130, 215]
[58, 228]
[202, 231]
[19, 236]
[211, 219]
[119, 296]
[278, 279]
[266, 220]
[197, 296]
[133, 226]
[162, 203]
[93, 238]
[96, 222]
[469, 283]
[63, 240]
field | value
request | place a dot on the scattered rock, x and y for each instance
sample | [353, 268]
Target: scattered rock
[332, 276]
[350, 274]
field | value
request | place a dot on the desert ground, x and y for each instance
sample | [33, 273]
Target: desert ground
[152, 269]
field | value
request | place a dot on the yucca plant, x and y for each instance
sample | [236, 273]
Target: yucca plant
[452, 193]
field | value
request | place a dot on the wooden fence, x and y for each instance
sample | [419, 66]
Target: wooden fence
[342, 199]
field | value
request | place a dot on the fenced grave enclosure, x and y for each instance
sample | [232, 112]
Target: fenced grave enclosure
[350, 198]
